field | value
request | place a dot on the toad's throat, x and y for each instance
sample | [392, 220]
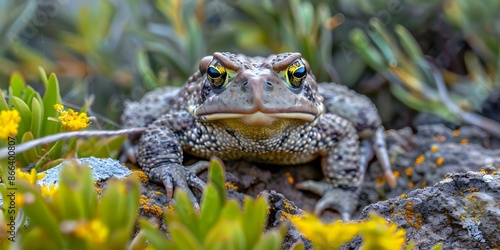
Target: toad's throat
[258, 118]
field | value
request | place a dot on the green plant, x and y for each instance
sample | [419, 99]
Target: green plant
[71, 216]
[43, 116]
[418, 83]
[219, 223]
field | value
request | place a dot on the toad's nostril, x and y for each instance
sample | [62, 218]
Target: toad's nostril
[245, 86]
[269, 86]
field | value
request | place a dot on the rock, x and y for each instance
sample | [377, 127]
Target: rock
[280, 210]
[462, 211]
[102, 169]
[424, 158]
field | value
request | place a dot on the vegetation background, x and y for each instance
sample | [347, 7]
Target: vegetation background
[113, 50]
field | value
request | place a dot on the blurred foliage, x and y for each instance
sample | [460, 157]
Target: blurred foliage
[376, 232]
[39, 117]
[70, 216]
[403, 63]
[220, 223]
[131, 47]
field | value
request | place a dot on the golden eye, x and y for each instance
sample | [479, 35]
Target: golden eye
[296, 73]
[216, 74]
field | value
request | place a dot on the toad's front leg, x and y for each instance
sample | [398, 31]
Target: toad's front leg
[341, 167]
[160, 155]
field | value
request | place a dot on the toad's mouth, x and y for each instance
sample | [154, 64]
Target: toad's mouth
[259, 118]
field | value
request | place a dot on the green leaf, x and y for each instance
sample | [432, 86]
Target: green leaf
[43, 76]
[29, 155]
[106, 146]
[231, 211]
[254, 218]
[53, 153]
[36, 117]
[17, 84]
[24, 111]
[226, 235]
[40, 213]
[145, 70]
[216, 176]
[409, 43]
[50, 98]
[151, 232]
[3, 102]
[31, 240]
[70, 198]
[182, 237]
[118, 209]
[186, 214]
[269, 240]
[210, 209]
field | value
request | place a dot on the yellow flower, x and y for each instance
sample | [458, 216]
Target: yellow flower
[10, 120]
[32, 177]
[325, 236]
[48, 190]
[94, 231]
[71, 119]
[379, 234]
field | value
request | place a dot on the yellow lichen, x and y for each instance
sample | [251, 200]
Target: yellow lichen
[414, 219]
[420, 159]
[154, 209]
[411, 184]
[464, 141]
[439, 161]
[98, 190]
[472, 189]
[289, 178]
[143, 200]
[10, 120]
[396, 174]
[229, 185]
[71, 119]
[456, 132]
[143, 177]
[472, 196]
[434, 148]
[379, 181]
[409, 171]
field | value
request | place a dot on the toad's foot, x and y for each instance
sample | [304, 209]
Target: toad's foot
[342, 200]
[180, 177]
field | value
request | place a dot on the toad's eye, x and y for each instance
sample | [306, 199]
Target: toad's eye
[216, 74]
[296, 73]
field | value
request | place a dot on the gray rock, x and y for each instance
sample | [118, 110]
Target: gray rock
[102, 169]
[462, 212]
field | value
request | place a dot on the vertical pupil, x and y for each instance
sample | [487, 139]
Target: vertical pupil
[212, 72]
